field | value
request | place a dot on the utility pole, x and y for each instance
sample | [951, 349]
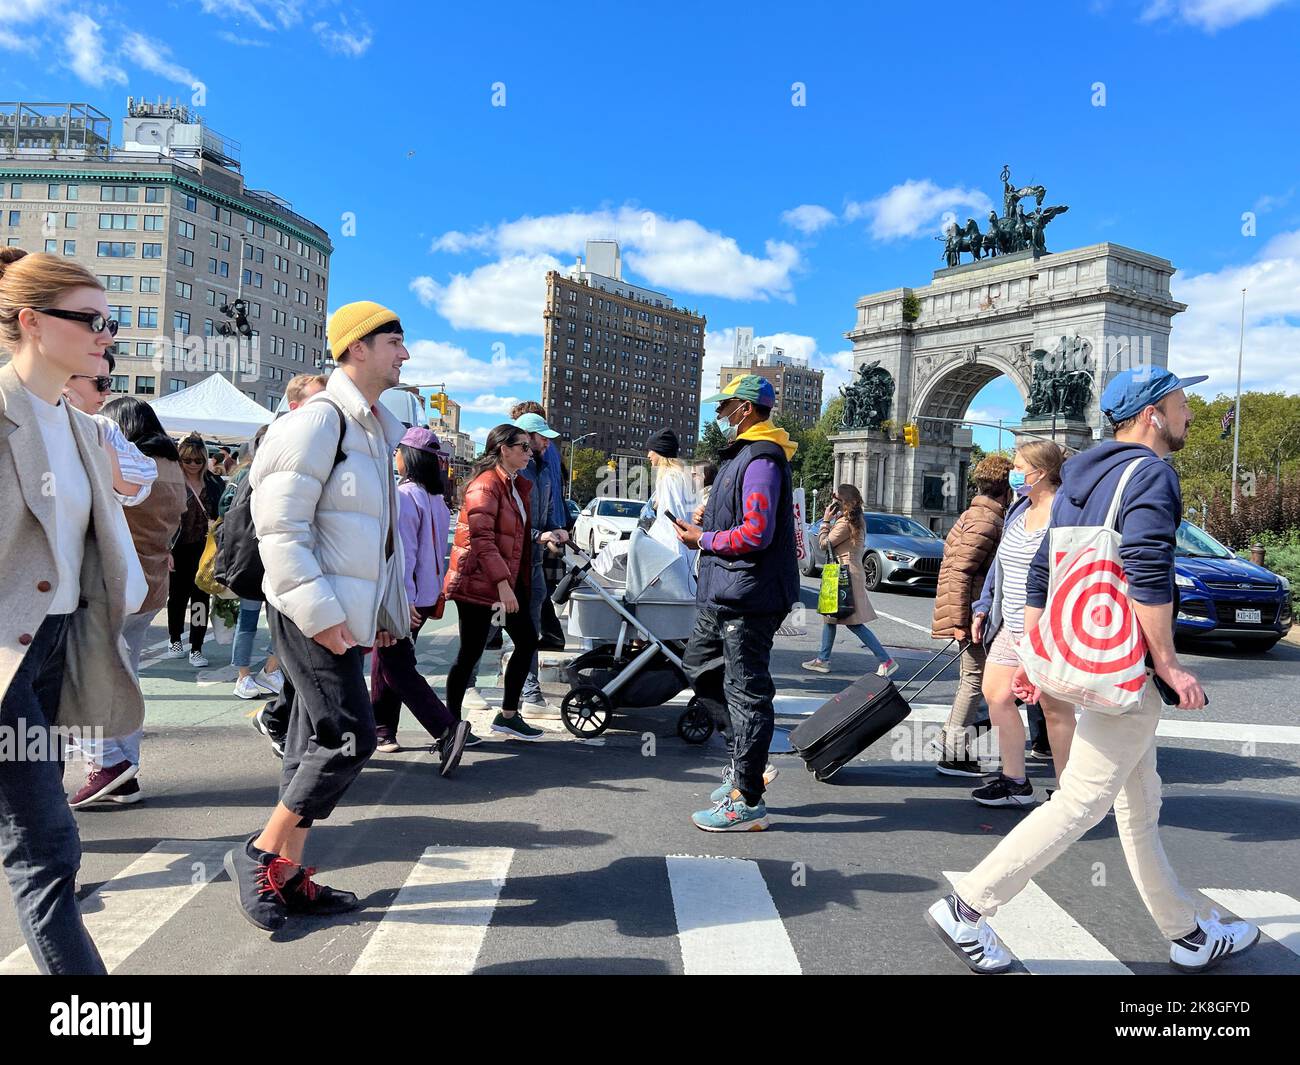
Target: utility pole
[1236, 421]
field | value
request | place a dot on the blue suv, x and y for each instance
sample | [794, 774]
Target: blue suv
[1225, 597]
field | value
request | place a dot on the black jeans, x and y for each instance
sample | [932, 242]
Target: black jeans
[39, 842]
[182, 592]
[728, 662]
[331, 732]
[475, 624]
[395, 678]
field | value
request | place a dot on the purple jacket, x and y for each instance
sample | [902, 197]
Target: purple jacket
[421, 549]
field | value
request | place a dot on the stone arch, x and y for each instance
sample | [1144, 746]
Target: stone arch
[949, 392]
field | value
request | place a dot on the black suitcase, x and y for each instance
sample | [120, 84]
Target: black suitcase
[848, 723]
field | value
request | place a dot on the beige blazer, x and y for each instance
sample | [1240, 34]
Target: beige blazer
[843, 543]
[99, 689]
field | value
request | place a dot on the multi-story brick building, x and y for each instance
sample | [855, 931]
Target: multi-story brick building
[798, 387]
[167, 224]
[620, 361]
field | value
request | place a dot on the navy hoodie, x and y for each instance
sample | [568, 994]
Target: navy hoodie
[1149, 514]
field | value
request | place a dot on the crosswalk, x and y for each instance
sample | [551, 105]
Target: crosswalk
[724, 911]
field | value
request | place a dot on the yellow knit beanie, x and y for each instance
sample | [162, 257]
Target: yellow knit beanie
[353, 321]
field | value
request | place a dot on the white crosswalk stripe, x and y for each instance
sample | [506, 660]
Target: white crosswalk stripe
[727, 923]
[440, 918]
[140, 900]
[1277, 915]
[1046, 939]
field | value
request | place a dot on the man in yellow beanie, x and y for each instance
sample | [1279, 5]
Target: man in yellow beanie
[324, 502]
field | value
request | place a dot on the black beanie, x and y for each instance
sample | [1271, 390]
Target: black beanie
[664, 443]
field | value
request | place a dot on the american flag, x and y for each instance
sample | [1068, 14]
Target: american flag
[1226, 423]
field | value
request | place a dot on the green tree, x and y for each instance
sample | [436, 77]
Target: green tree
[588, 464]
[711, 444]
[798, 433]
[1270, 444]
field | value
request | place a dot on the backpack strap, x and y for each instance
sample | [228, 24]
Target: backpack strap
[1113, 513]
[339, 454]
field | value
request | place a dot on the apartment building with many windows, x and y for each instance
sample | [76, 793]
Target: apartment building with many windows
[620, 361]
[798, 387]
[168, 225]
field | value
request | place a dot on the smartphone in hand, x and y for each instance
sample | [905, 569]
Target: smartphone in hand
[673, 518]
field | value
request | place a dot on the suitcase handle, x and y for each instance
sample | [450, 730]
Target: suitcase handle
[962, 645]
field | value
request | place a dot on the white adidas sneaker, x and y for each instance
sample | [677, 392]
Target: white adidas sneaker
[1211, 943]
[474, 700]
[976, 944]
[542, 709]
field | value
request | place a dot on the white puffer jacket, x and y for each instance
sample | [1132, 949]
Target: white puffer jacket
[322, 530]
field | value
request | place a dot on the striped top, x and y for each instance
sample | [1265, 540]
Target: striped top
[1015, 555]
[137, 467]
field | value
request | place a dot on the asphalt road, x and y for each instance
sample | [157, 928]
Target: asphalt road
[569, 856]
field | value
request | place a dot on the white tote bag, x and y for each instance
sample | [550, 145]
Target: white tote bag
[1088, 648]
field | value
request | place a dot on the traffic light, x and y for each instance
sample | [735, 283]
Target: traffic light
[439, 400]
[911, 434]
[611, 464]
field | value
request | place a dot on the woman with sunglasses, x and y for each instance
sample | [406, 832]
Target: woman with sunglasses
[133, 472]
[203, 495]
[491, 570]
[65, 591]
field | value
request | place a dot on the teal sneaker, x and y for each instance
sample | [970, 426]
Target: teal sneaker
[729, 781]
[515, 727]
[732, 814]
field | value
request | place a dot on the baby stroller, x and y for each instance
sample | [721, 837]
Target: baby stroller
[640, 615]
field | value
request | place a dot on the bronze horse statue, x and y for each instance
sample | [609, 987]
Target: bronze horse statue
[957, 239]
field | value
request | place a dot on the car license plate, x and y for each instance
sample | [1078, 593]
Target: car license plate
[1248, 617]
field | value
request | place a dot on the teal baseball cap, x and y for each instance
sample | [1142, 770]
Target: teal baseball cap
[534, 423]
[748, 386]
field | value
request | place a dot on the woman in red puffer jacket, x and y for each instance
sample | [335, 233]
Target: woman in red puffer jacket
[490, 577]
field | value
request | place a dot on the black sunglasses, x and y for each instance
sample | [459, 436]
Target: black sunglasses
[522, 443]
[97, 322]
[103, 382]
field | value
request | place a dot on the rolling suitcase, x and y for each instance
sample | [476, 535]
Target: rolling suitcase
[848, 723]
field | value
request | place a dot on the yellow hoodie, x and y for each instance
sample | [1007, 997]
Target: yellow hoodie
[768, 431]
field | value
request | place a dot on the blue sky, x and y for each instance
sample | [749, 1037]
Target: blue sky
[673, 128]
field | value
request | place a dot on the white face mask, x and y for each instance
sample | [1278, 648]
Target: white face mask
[729, 429]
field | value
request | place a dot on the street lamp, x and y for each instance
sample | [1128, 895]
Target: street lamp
[573, 446]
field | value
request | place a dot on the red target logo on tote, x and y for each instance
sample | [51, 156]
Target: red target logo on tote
[1088, 648]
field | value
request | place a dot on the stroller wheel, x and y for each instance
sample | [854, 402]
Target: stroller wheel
[586, 711]
[695, 725]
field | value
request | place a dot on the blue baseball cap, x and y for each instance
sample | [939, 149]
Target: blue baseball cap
[534, 423]
[1131, 390]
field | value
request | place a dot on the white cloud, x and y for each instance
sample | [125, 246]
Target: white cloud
[1209, 15]
[506, 296]
[265, 14]
[242, 42]
[437, 362]
[676, 254]
[13, 42]
[719, 348]
[1205, 336]
[479, 435]
[85, 56]
[17, 11]
[808, 218]
[490, 404]
[155, 57]
[344, 40]
[915, 207]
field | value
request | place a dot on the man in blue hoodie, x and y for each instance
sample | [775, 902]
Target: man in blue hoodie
[1113, 757]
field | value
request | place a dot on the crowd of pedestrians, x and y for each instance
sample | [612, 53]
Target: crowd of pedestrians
[111, 521]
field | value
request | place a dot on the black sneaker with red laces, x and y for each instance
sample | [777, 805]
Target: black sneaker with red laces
[261, 879]
[304, 897]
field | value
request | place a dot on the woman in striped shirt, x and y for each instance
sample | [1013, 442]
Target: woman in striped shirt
[999, 623]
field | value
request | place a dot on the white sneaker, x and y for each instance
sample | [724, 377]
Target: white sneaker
[1217, 941]
[887, 669]
[197, 660]
[272, 682]
[976, 944]
[247, 688]
[474, 700]
[174, 650]
[542, 709]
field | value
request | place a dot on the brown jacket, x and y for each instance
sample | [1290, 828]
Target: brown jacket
[491, 542]
[843, 543]
[99, 689]
[152, 524]
[967, 555]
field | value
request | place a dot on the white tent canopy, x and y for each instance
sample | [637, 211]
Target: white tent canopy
[213, 407]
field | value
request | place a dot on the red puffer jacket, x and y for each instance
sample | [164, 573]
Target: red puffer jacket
[492, 542]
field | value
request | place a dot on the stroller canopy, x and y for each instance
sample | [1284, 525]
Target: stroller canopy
[656, 572]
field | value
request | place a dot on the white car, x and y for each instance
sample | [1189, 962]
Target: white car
[604, 520]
